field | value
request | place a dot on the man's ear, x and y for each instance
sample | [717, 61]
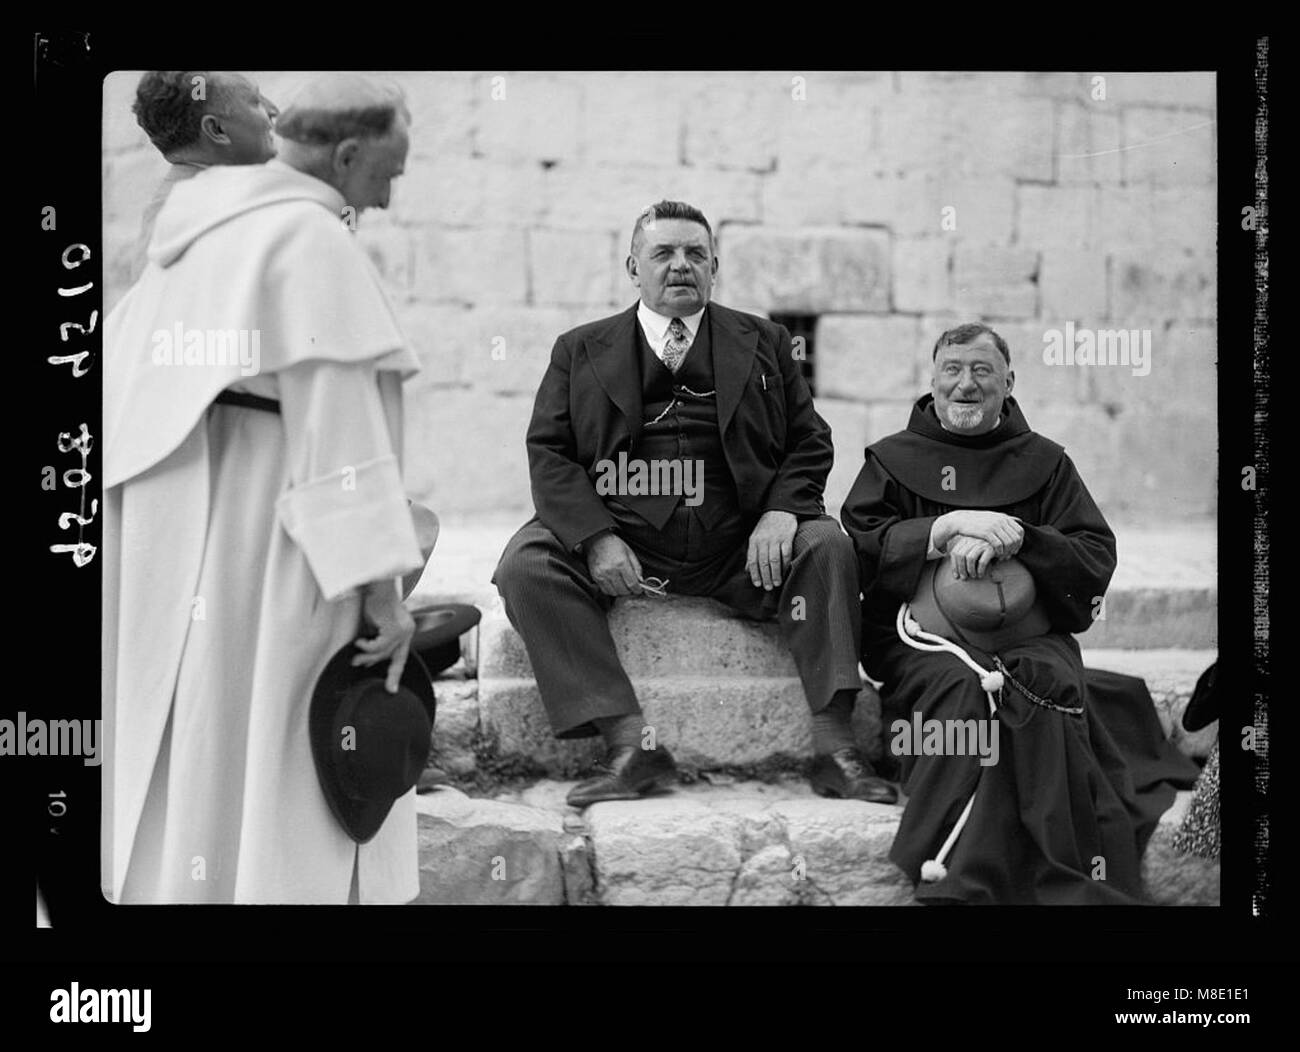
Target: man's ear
[345, 155]
[1011, 380]
[210, 128]
[715, 265]
[632, 270]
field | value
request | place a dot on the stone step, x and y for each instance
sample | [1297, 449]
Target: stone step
[1164, 593]
[1170, 676]
[733, 843]
[733, 720]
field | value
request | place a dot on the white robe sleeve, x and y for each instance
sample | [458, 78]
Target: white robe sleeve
[346, 508]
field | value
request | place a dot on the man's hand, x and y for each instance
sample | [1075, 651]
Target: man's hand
[771, 547]
[383, 608]
[1003, 533]
[970, 556]
[613, 565]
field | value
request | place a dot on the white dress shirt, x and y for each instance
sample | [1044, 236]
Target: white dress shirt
[655, 327]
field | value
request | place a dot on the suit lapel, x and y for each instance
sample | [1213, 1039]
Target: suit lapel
[613, 359]
[733, 360]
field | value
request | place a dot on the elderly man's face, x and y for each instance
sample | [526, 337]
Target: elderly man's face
[367, 167]
[673, 265]
[971, 381]
[246, 117]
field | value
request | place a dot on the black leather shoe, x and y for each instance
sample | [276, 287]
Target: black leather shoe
[624, 774]
[848, 774]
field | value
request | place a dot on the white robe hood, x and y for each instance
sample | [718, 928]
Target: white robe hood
[294, 286]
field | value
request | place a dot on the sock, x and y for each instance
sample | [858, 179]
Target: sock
[832, 728]
[621, 731]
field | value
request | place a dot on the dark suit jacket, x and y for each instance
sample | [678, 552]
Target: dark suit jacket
[588, 408]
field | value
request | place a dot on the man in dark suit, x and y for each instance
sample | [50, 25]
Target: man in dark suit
[677, 442]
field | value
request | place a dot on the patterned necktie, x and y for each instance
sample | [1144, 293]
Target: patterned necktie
[676, 345]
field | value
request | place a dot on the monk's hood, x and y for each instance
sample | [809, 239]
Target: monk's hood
[218, 194]
[251, 272]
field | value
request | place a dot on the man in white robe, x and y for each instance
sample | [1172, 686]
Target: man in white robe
[242, 546]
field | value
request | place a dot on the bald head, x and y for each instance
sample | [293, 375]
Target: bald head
[350, 132]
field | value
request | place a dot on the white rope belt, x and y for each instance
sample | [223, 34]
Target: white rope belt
[911, 633]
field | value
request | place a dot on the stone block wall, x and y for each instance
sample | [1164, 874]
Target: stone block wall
[886, 206]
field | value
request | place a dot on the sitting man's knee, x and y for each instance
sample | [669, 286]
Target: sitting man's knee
[826, 538]
[523, 564]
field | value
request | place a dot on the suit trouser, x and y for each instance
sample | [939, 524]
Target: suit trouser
[561, 614]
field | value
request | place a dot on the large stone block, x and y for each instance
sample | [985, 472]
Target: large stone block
[510, 347]
[1058, 217]
[465, 451]
[391, 248]
[948, 83]
[118, 251]
[1154, 218]
[1038, 383]
[812, 270]
[456, 727]
[731, 121]
[443, 338]
[121, 131]
[1071, 87]
[1168, 147]
[1167, 663]
[484, 265]
[530, 117]
[1088, 433]
[633, 118]
[707, 722]
[481, 852]
[129, 181]
[1182, 370]
[995, 282]
[661, 638]
[670, 851]
[717, 689]
[966, 135]
[1177, 488]
[1089, 141]
[976, 209]
[767, 878]
[843, 846]
[884, 419]
[1163, 284]
[444, 113]
[573, 267]
[922, 274]
[454, 190]
[866, 357]
[1073, 284]
[607, 198]
[792, 198]
[1162, 88]
[849, 429]
[831, 125]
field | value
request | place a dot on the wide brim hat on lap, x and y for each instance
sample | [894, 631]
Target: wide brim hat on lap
[990, 612]
[369, 746]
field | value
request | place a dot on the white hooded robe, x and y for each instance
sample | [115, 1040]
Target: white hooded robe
[235, 540]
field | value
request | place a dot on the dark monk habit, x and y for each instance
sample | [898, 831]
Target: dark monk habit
[1061, 803]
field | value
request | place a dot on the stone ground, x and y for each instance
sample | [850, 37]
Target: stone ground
[742, 827]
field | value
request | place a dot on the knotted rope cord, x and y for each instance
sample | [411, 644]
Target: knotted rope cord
[911, 633]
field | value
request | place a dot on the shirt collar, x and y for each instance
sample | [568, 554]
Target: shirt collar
[656, 324]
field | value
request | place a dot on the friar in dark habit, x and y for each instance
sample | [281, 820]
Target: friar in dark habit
[1063, 817]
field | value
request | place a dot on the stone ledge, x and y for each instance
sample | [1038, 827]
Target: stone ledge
[740, 844]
